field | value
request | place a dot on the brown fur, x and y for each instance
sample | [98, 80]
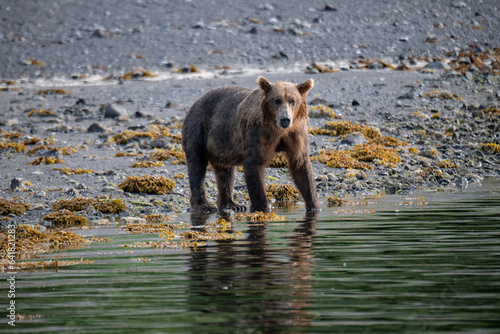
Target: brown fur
[236, 126]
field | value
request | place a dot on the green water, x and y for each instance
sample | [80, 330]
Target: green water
[394, 269]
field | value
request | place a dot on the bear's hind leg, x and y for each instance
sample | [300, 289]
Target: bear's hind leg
[225, 185]
[197, 169]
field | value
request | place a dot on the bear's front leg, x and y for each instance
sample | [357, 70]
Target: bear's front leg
[254, 177]
[302, 173]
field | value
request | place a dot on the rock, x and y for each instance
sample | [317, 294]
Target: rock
[12, 121]
[462, 183]
[96, 128]
[159, 143]
[102, 221]
[16, 183]
[140, 114]
[354, 138]
[71, 191]
[330, 8]
[132, 220]
[355, 103]
[40, 194]
[319, 102]
[437, 65]
[172, 105]
[100, 33]
[114, 110]
[376, 66]
[408, 96]
[478, 114]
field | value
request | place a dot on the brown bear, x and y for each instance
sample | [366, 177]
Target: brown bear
[236, 126]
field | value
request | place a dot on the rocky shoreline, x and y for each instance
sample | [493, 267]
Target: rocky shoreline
[399, 131]
[93, 93]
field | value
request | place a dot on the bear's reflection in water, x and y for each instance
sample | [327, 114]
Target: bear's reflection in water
[247, 286]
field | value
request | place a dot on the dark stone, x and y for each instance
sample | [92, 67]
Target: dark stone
[114, 110]
[355, 103]
[329, 8]
[80, 102]
[437, 65]
[319, 102]
[408, 96]
[159, 143]
[354, 138]
[376, 66]
[16, 183]
[96, 128]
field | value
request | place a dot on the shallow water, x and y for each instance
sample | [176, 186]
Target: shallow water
[377, 267]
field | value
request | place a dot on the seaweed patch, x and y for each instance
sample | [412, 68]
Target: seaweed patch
[102, 204]
[69, 171]
[284, 192]
[65, 219]
[46, 161]
[156, 185]
[147, 164]
[258, 217]
[10, 207]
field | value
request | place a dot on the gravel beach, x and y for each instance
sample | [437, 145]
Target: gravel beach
[407, 94]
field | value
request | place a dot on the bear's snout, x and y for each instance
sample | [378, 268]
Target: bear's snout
[285, 122]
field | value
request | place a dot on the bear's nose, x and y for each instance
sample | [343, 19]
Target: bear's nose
[285, 122]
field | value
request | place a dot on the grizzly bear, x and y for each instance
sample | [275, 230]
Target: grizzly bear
[236, 126]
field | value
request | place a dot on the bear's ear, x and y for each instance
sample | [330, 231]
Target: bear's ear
[305, 86]
[264, 84]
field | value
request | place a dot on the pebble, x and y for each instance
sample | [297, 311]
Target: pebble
[462, 182]
[132, 220]
[16, 183]
[114, 110]
[40, 194]
[96, 128]
[354, 138]
[437, 65]
[159, 143]
[376, 66]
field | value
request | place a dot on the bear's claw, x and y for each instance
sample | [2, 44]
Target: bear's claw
[205, 208]
[233, 207]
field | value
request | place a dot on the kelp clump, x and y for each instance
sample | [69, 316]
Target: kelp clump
[52, 92]
[163, 155]
[147, 164]
[102, 204]
[12, 147]
[46, 161]
[442, 95]
[65, 219]
[343, 128]
[490, 148]
[136, 74]
[279, 161]
[322, 111]
[152, 132]
[69, 171]
[156, 185]
[339, 159]
[258, 217]
[370, 152]
[335, 201]
[10, 207]
[30, 241]
[284, 192]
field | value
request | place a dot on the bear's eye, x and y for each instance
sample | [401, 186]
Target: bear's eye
[292, 102]
[278, 102]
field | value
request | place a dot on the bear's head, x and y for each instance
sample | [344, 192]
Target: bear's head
[284, 103]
